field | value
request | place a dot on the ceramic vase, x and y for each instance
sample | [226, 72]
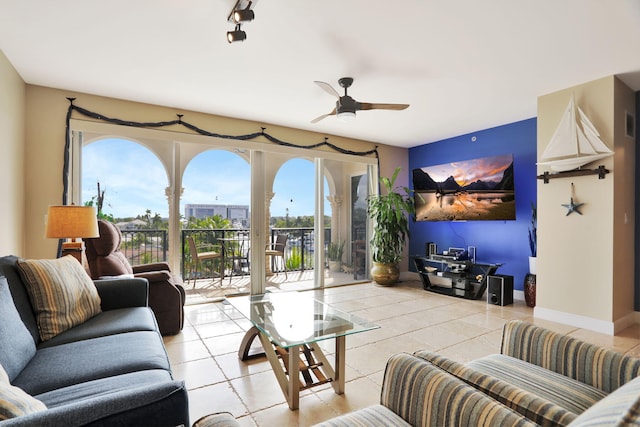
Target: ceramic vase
[530, 289]
[385, 274]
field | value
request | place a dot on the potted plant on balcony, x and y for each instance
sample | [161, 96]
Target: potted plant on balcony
[335, 250]
[390, 212]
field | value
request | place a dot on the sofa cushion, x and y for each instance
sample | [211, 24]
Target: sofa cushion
[61, 292]
[145, 398]
[14, 402]
[566, 392]
[103, 386]
[107, 323]
[371, 416]
[535, 408]
[77, 362]
[17, 346]
[620, 408]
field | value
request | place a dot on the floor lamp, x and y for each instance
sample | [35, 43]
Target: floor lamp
[72, 222]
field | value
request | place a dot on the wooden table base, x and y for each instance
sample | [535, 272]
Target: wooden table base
[298, 367]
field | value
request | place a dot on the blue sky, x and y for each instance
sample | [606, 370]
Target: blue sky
[134, 180]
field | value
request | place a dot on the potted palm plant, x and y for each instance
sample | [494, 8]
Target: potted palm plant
[335, 250]
[390, 212]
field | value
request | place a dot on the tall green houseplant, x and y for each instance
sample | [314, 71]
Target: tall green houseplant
[390, 212]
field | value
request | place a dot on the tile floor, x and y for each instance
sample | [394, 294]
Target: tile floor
[204, 354]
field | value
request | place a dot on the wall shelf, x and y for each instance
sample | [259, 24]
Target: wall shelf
[601, 172]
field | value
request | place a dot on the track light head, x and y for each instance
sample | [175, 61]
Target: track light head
[243, 15]
[236, 35]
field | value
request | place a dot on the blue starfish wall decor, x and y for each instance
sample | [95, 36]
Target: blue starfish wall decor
[573, 207]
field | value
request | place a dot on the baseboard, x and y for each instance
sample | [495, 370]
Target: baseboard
[406, 276]
[518, 295]
[576, 320]
[602, 326]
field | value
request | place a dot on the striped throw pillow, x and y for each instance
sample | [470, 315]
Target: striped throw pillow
[14, 402]
[62, 293]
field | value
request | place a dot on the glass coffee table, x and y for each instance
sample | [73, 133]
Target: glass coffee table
[289, 326]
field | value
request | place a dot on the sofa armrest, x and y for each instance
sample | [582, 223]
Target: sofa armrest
[155, 276]
[588, 363]
[123, 293]
[423, 394]
[219, 419]
[154, 266]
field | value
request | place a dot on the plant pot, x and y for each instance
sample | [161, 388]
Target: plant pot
[532, 264]
[530, 290]
[335, 266]
[385, 274]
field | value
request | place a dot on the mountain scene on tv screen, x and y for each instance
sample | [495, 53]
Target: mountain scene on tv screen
[477, 189]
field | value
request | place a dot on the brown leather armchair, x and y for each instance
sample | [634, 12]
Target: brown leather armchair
[166, 293]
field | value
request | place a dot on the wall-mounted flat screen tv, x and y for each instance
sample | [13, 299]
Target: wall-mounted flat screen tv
[477, 189]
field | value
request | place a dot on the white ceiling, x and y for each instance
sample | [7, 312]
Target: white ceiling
[463, 65]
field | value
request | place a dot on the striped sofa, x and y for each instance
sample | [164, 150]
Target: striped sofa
[540, 377]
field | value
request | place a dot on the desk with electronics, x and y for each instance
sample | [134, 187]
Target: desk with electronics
[455, 272]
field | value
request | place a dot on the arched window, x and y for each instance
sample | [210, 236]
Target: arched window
[169, 171]
[129, 190]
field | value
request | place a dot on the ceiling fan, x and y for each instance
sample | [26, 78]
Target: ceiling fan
[346, 106]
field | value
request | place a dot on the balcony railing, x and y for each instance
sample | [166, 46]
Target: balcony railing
[145, 246]
[298, 252]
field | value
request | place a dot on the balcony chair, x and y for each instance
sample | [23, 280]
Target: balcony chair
[236, 254]
[277, 250]
[166, 294]
[198, 257]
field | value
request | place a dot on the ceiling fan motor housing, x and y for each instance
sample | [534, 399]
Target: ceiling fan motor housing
[346, 104]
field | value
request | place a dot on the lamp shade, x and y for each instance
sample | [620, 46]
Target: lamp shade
[71, 221]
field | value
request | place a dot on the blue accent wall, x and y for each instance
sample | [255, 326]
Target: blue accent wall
[506, 242]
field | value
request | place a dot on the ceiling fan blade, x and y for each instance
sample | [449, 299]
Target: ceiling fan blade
[377, 106]
[324, 116]
[328, 88]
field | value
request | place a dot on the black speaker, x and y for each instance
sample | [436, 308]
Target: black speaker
[499, 289]
[430, 249]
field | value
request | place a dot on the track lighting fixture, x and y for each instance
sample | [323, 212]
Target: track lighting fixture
[243, 15]
[236, 35]
[242, 12]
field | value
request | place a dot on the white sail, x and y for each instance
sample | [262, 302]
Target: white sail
[574, 142]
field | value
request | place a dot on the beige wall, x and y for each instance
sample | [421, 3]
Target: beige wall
[624, 205]
[12, 142]
[585, 262]
[46, 111]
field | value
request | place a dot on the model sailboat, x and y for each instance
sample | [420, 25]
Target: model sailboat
[575, 142]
